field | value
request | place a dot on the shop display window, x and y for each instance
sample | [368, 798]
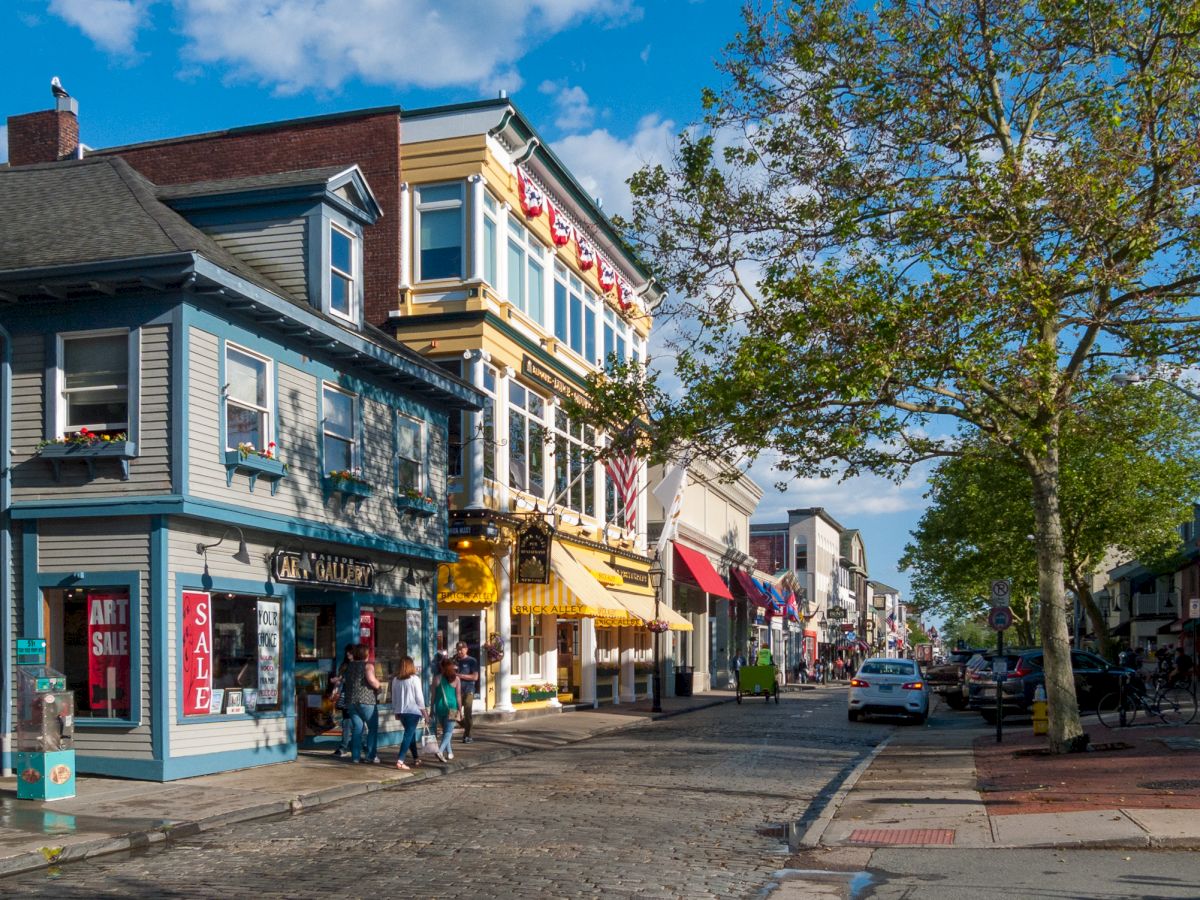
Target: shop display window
[89, 639]
[245, 647]
[386, 633]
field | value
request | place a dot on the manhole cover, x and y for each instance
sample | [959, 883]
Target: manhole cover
[942, 836]
[1181, 784]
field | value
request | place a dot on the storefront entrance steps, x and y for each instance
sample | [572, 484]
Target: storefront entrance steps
[110, 815]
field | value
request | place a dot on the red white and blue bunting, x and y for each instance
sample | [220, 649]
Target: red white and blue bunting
[533, 201]
[560, 228]
[606, 275]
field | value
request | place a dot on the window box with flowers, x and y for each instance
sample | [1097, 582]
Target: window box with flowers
[87, 447]
[413, 501]
[255, 464]
[348, 483]
[532, 693]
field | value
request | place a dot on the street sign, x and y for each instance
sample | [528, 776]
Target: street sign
[1001, 591]
[1000, 666]
[1000, 618]
[1194, 608]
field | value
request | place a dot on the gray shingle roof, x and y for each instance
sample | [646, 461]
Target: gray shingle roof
[95, 210]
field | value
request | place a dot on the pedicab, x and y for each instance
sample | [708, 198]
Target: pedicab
[761, 680]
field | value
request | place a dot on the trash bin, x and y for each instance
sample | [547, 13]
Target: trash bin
[683, 681]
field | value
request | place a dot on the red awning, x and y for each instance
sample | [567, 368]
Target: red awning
[696, 567]
[744, 585]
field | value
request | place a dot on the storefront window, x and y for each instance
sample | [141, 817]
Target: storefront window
[527, 647]
[385, 632]
[244, 647]
[88, 639]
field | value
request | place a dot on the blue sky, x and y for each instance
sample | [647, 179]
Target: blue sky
[607, 82]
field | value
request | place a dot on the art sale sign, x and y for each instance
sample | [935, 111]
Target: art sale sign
[197, 653]
[108, 654]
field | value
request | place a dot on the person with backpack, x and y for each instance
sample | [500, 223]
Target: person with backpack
[446, 705]
[408, 703]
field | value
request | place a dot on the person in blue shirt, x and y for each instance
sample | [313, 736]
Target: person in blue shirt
[468, 674]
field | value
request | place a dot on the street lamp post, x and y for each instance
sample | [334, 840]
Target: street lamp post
[656, 580]
[1126, 378]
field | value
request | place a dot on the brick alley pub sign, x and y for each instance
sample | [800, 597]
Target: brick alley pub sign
[339, 573]
[535, 540]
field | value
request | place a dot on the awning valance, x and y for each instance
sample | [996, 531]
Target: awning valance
[695, 567]
[573, 593]
[642, 607]
[474, 584]
[637, 600]
[743, 584]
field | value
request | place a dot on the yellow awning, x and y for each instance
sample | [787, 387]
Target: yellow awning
[473, 581]
[643, 607]
[638, 600]
[573, 592]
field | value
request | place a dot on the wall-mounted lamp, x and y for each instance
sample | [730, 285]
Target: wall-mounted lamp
[410, 577]
[450, 586]
[242, 555]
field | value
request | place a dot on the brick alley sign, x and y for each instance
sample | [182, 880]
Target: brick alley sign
[535, 540]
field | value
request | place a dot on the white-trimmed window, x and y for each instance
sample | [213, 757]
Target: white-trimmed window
[527, 647]
[342, 274]
[574, 467]
[489, 422]
[526, 440]
[526, 273]
[440, 228]
[616, 334]
[339, 429]
[410, 454]
[491, 232]
[607, 652]
[570, 313]
[94, 382]
[248, 399]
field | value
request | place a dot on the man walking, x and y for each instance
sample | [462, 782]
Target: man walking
[468, 675]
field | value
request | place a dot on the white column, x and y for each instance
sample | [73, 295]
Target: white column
[476, 189]
[587, 653]
[407, 238]
[504, 627]
[473, 461]
[628, 684]
[550, 651]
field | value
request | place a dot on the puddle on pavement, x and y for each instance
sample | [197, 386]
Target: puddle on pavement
[22, 815]
[820, 882]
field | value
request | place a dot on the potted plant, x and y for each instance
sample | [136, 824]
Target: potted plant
[87, 446]
[658, 626]
[348, 482]
[255, 463]
[416, 502]
[494, 647]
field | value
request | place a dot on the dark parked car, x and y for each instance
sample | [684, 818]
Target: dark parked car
[1094, 678]
[948, 678]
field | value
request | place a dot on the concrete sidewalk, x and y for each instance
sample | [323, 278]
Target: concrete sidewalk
[921, 788]
[108, 815]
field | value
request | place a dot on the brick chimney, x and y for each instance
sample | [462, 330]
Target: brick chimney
[46, 136]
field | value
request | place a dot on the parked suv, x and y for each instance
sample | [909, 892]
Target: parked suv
[1094, 678]
[948, 677]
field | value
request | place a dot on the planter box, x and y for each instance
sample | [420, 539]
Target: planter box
[57, 454]
[254, 467]
[535, 697]
[347, 489]
[422, 508]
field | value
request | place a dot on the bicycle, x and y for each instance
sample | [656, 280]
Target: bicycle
[1173, 705]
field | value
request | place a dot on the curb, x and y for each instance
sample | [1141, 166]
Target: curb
[816, 829]
[48, 857]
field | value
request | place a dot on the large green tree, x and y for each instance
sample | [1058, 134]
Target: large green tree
[924, 212]
[1130, 471]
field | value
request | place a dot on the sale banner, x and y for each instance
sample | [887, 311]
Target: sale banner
[268, 652]
[197, 653]
[108, 654]
[366, 632]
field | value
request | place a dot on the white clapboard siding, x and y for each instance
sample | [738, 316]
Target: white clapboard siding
[33, 478]
[276, 249]
[99, 545]
[298, 433]
[236, 734]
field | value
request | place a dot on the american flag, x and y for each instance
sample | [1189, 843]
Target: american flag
[623, 470]
[891, 620]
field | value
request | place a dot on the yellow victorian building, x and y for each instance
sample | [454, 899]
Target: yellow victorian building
[513, 279]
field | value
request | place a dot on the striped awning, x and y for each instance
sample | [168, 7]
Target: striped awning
[642, 607]
[638, 600]
[572, 593]
[473, 582]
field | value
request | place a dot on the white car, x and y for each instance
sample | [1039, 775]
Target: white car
[891, 687]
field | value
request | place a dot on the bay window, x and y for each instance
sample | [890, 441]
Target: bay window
[440, 230]
[248, 399]
[526, 440]
[526, 273]
[94, 382]
[490, 232]
[574, 314]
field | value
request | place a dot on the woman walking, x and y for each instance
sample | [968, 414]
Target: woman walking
[361, 686]
[408, 702]
[446, 694]
[340, 703]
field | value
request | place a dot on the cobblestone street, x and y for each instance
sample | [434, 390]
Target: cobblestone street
[686, 807]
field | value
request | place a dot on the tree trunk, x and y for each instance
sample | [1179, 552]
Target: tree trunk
[1065, 730]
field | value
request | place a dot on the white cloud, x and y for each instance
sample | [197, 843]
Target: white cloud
[602, 162]
[645, 54]
[573, 110]
[323, 43]
[3, 143]
[863, 495]
[112, 24]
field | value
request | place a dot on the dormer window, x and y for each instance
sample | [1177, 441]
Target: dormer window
[342, 274]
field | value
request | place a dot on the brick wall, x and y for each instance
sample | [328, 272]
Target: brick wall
[41, 137]
[770, 550]
[371, 140]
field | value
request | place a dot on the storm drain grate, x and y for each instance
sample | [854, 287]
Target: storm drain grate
[935, 836]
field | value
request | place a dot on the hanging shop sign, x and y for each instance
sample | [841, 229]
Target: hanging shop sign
[197, 653]
[108, 653]
[535, 539]
[268, 652]
[341, 573]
